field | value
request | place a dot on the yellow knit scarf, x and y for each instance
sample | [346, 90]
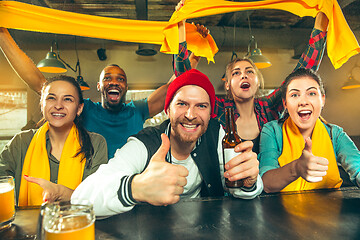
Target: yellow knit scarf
[36, 164]
[293, 145]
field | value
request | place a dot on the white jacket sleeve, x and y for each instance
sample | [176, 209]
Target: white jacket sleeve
[237, 192]
[108, 188]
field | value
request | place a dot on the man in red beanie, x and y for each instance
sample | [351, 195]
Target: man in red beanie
[180, 158]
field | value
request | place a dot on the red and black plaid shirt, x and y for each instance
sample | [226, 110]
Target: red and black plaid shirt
[270, 107]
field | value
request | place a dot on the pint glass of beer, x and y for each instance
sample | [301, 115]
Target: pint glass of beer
[7, 201]
[63, 220]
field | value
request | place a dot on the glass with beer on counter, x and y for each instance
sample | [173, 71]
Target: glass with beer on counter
[63, 220]
[7, 201]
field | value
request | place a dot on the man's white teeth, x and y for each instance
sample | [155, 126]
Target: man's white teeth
[305, 112]
[58, 114]
[189, 126]
[114, 91]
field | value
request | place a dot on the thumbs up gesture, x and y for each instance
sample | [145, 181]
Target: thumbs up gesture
[310, 167]
[161, 183]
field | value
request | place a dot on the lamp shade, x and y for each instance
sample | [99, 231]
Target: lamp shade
[146, 49]
[82, 83]
[351, 83]
[259, 60]
[51, 64]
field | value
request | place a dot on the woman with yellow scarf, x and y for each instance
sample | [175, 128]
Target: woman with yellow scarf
[49, 163]
[301, 151]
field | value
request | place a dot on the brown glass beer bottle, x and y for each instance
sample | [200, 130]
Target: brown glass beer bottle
[230, 140]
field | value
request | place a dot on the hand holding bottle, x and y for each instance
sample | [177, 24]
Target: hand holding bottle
[244, 166]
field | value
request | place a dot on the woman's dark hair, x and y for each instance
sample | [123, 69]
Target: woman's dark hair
[298, 73]
[86, 146]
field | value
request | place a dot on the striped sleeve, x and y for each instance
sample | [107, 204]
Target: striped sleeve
[124, 192]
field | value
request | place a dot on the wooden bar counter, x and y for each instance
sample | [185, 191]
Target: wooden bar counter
[324, 214]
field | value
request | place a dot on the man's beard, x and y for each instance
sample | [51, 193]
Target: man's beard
[188, 138]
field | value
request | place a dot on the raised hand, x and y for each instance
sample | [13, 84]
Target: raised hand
[310, 167]
[161, 183]
[181, 24]
[243, 166]
[51, 191]
[194, 60]
[179, 5]
[202, 30]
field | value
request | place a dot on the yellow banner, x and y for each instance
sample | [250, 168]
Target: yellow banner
[341, 42]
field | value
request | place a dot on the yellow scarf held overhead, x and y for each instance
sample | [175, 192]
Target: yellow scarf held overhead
[341, 42]
[36, 164]
[293, 145]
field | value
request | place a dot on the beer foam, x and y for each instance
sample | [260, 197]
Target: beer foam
[5, 187]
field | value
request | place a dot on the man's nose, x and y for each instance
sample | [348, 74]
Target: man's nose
[114, 81]
[190, 113]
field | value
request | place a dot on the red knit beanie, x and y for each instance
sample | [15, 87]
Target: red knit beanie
[191, 77]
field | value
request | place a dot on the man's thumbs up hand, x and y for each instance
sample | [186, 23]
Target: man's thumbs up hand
[161, 183]
[164, 148]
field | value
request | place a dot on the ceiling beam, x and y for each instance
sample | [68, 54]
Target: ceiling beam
[141, 8]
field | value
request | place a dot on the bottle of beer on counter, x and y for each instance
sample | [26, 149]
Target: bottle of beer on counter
[230, 140]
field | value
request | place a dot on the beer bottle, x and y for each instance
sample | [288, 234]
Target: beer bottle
[230, 140]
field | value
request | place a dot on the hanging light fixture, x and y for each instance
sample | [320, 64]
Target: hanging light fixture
[141, 9]
[51, 64]
[146, 49]
[351, 82]
[55, 64]
[255, 55]
[79, 78]
[83, 85]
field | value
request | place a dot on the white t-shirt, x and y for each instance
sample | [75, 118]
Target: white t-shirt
[193, 186]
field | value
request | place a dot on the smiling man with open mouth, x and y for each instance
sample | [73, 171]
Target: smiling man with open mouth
[113, 87]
